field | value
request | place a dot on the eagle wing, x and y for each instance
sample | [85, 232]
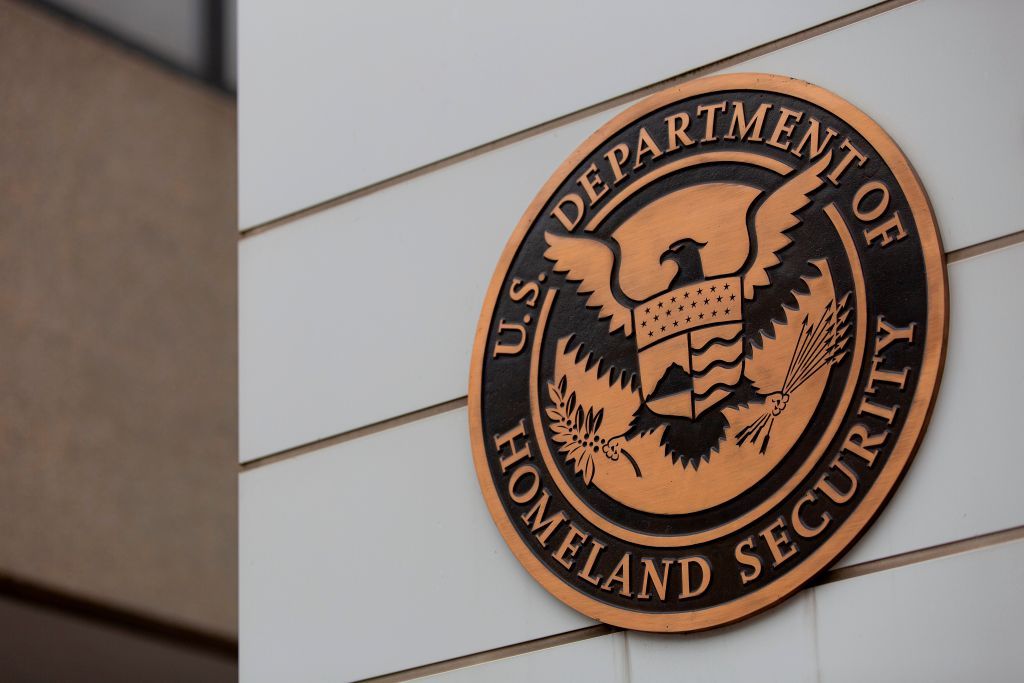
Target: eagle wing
[590, 263]
[778, 215]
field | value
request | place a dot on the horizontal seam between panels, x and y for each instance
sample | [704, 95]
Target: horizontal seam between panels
[923, 555]
[565, 119]
[357, 433]
[951, 257]
[985, 247]
[943, 550]
[498, 653]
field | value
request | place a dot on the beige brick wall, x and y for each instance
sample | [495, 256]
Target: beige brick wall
[117, 326]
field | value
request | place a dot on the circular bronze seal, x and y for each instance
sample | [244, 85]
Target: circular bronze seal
[708, 353]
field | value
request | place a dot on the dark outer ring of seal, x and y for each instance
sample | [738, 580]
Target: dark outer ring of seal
[907, 440]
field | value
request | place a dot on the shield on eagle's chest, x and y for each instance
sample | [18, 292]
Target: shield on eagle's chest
[690, 346]
[689, 245]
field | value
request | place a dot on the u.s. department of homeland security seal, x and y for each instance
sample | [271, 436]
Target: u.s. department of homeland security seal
[708, 353]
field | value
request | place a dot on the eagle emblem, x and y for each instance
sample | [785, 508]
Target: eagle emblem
[676, 277]
[707, 353]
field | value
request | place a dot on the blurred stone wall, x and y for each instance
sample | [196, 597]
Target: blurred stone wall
[117, 327]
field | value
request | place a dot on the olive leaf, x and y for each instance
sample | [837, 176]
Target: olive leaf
[575, 428]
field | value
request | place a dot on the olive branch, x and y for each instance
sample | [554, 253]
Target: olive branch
[576, 427]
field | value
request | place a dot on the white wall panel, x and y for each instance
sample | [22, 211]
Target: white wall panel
[367, 310]
[379, 555]
[322, 567]
[775, 647]
[595, 660]
[332, 99]
[951, 619]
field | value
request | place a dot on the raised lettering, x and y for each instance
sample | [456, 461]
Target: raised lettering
[860, 441]
[509, 439]
[651, 576]
[616, 156]
[645, 145]
[886, 231]
[677, 125]
[750, 560]
[801, 527]
[784, 128]
[779, 543]
[619, 575]
[813, 135]
[504, 348]
[705, 576]
[851, 154]
[520, 290]
[547, 526]
[559, 213]
[571, 545]
[741, 125]
[595, 549]
[829, 489]
[592, 184]
[534, 486]
[710, 110]
[888, 333]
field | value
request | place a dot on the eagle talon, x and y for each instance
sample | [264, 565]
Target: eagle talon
[777, 402]
[613, 448]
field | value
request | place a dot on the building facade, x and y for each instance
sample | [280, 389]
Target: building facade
[386, 154]
[117, 324]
